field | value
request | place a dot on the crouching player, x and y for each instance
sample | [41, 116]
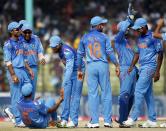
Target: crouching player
[72, 86]
[37, 113]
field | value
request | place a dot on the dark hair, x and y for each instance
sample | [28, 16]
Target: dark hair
[146, 26]
[28, 96]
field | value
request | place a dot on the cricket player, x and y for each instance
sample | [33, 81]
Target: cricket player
[33, 51]
[37, 113]
[16, 64]
[71, 84]
[125, 51]
[162, 36]
[150, 55]
[96, 46]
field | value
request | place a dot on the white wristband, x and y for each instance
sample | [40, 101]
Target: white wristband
[8, 63]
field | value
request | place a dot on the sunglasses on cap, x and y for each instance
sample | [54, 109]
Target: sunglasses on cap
[27, 32]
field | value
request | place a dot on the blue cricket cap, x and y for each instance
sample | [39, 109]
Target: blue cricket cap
[140, 22]
[13, 25]
[98, 20]
[26, 89]
[22, 22]
[55, 41]
[26, 26]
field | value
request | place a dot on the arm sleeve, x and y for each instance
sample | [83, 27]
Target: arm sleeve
[41, 108]
[122, 29]
[158, 45]
[110, 51]
[119, 37]
[40, 50]
[69, 67]
[25, 49]
[7, 53]
[40, 47]
[80, 53]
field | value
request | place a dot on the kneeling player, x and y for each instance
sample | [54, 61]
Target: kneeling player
[37, 113]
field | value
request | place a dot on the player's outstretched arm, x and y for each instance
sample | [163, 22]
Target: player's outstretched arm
[59, 101]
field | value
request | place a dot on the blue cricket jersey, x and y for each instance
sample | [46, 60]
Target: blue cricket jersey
[69, 58]
[33, 49]
[95, 46]
[148, 47]
[14, 53]
[33, 113]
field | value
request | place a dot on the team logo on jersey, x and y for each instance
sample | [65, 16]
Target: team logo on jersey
[142, 45]
[128, 46]
[32, 45]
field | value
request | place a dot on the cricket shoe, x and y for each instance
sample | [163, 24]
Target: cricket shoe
[20, 125]
[163, 125]
[71, 125]
[9, 114]
[108, 125]
[129, 123]
[148, 124]
[63, 124]
[90, 125]
[121, 125]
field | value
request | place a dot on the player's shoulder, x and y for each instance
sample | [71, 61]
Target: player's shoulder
[35, 36]
[103, 35]
[8, 43]
[85, 36]
[37, 103]
[68, 51]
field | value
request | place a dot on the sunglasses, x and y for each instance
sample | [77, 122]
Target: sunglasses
[27, 32]
[16, 29]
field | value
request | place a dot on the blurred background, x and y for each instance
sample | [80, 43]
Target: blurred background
[70, 19]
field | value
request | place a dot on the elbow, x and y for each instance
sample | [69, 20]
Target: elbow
[157, 35]
[161, 54]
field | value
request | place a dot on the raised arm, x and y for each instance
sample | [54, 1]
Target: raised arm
[157, 33]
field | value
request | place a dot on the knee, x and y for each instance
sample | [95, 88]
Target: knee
[124, 98]
[138, 94]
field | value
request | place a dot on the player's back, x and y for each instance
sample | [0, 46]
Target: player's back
[33, 113]
[94, 43]
[68, 53]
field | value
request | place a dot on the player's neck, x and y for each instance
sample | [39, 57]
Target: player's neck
[14, 38]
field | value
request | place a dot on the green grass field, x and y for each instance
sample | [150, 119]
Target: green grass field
[8, 126]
